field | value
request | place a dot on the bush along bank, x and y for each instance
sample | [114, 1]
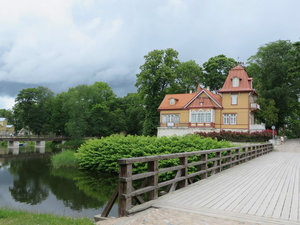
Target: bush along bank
[239, 136]
[102, 154]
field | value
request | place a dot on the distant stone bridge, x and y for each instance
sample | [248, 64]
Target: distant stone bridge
[33, 138]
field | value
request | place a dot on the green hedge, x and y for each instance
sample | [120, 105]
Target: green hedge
[102, 154]
[239, 136]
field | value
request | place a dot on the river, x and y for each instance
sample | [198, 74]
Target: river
[28, 182]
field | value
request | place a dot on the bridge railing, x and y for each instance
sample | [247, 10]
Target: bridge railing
[134, 189]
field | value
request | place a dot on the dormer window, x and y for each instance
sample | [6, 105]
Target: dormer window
[172, 101]
[235, 82]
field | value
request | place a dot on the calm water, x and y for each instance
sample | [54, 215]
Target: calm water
[28, 182]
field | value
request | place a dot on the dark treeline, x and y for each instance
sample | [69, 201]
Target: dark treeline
[94, 110]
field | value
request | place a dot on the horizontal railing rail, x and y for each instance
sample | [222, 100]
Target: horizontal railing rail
[149, 186]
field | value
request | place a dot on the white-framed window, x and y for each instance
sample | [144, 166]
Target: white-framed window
[201, 116]
[208, 116]
[229, 118]
[170, 118]
[232, 118]
[172, 101]
[234, 99]
[164, 118]
[235, 82]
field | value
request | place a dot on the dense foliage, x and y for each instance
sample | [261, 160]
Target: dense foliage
[276, 71]
[102, 154]
[216, 70]
[239, 136]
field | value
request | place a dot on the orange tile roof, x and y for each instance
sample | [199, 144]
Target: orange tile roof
[244, 84]
[181, 101]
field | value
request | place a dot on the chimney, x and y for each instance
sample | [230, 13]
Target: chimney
[191, 91]
[208, 88]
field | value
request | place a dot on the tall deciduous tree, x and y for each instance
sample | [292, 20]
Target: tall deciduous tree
[216, 70]
[157, 76]
[134, 114]
[189, 75]
[276, 81]
[32, 109]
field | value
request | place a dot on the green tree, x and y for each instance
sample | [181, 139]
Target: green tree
[59, 114]
[189, 75]
[33, 109]
[268, 113]
[87, 111]
[216, 70]
[276, 80]
[8, 114]
[157, 76]
[134, 114]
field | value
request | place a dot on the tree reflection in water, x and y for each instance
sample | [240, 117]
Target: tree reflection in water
[34, 179]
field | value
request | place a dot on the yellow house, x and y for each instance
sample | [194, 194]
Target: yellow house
[231, 108]
[5, 129]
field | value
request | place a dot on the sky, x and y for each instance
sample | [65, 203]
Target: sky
[63, 43]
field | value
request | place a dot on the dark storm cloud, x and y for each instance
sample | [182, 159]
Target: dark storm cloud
[13, 88]
[65, 43]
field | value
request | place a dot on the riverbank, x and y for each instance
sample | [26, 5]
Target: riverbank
[12, 216]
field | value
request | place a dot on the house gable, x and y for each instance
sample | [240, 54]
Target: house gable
[207, 99]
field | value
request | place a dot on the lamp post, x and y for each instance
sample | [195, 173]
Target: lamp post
[273, 128]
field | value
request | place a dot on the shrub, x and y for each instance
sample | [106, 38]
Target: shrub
[239, 136]
[102, 154]
[64, 159]
[72, 144]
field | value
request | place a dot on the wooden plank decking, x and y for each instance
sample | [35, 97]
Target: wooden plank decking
[266, 187]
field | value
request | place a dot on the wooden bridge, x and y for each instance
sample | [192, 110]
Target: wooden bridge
[262, 186]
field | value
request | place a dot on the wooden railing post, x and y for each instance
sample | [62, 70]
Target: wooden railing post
[184, 172]
[153, 180]
[218, 162]
[203, 166]
[237, 156]
[125, 188]
[244, 154]
[229, 159]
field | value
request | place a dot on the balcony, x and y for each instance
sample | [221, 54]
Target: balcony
[257, 127]
[254, 106]
[191, 125]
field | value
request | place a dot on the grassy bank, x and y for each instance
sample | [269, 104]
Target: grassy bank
[64, 159]
[16, 217]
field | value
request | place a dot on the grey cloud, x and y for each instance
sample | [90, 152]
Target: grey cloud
[88, 41]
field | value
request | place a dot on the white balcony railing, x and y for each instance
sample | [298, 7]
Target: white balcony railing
[257, 127]
[254, 106]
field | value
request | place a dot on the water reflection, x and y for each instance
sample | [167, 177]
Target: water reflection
[33, 182]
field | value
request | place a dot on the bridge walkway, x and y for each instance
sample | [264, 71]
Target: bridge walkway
[261, 191]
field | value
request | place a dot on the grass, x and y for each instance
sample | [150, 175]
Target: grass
[16, 217]
[64, 159]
